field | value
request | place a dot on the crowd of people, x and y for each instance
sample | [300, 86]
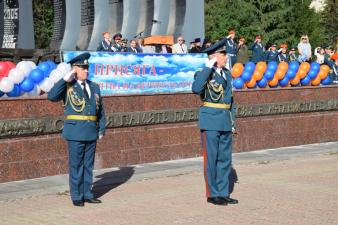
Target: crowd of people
[239, 51]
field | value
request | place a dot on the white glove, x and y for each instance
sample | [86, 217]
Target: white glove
[100, 136]
[211, 62]
[69, 76]
[228, 36]
[280, 50]
[233, 130]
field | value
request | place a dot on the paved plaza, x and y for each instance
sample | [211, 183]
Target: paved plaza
[287, 186]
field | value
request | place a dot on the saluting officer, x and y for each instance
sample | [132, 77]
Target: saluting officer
[292, 55]
[271, 54]
[283, 55]
[83, 125]
[231, 49]
[217, 123]
[258, 50]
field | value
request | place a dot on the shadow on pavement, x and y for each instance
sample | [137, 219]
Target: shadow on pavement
[233, 178]
[111, 180]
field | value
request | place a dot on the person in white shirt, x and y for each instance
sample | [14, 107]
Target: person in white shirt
[180, 47]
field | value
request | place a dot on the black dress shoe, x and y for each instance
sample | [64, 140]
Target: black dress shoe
[78, 203]
[217, 201]
[93, 200]
[230, 200]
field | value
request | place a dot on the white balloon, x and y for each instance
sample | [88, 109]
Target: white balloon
[32, 64]
[55, 75]
[25, 67]
[6, 85]
[64, 68]
[46, 85]
[16, 76]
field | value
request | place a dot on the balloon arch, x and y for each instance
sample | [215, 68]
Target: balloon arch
[272, 75]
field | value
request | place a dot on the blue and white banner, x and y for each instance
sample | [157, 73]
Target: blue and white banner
[127, 73]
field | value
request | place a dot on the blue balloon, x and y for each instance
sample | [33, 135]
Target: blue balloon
[262, 83]
[272, 66]
[37, 75]
[246, 75]
[27, 85]
[326, 81]
[15, 92]
[269, 74]
[305, 81]
[312, 74]
[284, 82]
[238, 83]
[249, 66]
[44, 66]
[1, 94]
[294, 65]
[51, 64]
[291, 74]
[315, 67]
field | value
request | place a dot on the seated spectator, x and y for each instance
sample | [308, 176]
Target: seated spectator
[327, 55]
[319, 53]
[196, 46]
[180, 47]
[105, 45]
[242, 54]
[304, 49]
[139, 44]
[124, 44]
[292, 55]
[132, 47]
[117, 45]
[206, 44]
[272, 53]
[283, 55]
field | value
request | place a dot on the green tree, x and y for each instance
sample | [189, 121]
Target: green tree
[330, 20]
[43, 22]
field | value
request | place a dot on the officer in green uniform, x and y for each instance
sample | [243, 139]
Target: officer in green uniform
[258, 50]
[117, 46]
[217, 123]
[292, 55]
[272, 54]
[83, 125]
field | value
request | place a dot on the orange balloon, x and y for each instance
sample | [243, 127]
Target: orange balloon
[283, 66]
[261, 66]
[305, 66]
[316, 81]
[273, 82]
[325, 68]
[301, 73]
[251, 83]
[237, 70]
[322, 74]
[258, 75]
[280, 74]
[295, 80]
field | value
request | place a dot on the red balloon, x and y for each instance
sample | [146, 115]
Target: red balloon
[10, 65]
[4, 69]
